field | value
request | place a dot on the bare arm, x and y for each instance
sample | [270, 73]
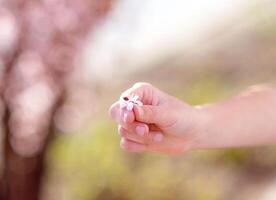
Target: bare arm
[167, 125]
[244, 120]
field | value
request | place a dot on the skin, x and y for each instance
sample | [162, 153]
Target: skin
[168, 125]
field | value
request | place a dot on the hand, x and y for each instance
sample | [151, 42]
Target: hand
[163, 124]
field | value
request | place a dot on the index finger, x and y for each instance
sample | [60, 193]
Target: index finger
[144, 91]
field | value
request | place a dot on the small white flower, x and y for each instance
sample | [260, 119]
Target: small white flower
[130, 106]
[128, 102]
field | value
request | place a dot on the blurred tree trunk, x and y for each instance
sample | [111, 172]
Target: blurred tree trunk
[39, 42]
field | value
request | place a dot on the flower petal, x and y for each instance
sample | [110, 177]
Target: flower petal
[135, 97]
[129, 106]
[123, 104]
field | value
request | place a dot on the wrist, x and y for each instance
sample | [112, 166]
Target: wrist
[203, 122]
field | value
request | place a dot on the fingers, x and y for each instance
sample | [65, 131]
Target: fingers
[159, 144]
[134, 124]
[138, 89]
[126, 116]
[146, 92]
[131, 135]
[149, 138]
[121, 116]
[132, 146]
[149, 114]
[145, 114]
[136, 132]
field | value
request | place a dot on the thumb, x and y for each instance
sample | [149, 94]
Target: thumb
[148, 114]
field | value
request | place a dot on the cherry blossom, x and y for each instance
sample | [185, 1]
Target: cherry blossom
[128, 102]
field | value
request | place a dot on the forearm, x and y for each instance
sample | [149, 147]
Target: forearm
[244, 120]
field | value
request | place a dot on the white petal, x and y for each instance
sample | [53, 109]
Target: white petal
[123, 104]
[135, 97]
[129, 106]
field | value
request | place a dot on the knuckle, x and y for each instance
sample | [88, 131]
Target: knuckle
[138, 87]
[120, 130]
[124, 146]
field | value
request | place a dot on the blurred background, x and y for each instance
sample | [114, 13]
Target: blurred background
[64, 62]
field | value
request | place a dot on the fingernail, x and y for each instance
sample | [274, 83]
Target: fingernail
[140, 130]
[125, 117]
[158, 137]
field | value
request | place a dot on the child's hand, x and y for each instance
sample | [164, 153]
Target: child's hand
[163, 124]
